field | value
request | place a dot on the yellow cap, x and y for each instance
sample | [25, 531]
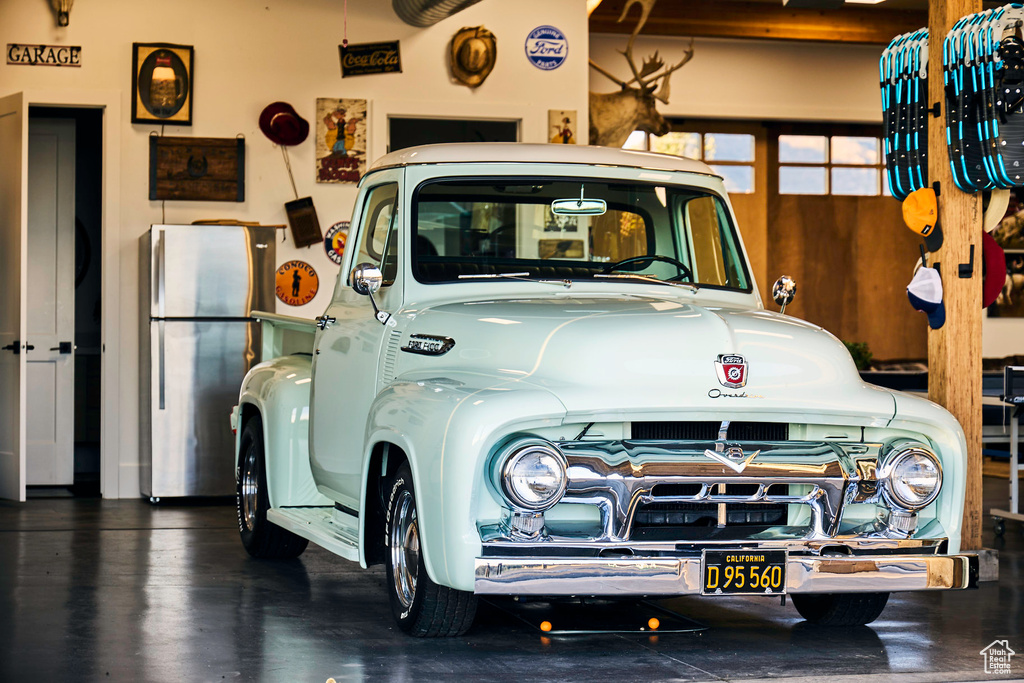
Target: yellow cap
[921, 214]
[920, 211]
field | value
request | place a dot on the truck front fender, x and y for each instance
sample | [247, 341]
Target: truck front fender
[447, 426]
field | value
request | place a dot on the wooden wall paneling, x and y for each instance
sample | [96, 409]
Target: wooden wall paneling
[851, 258]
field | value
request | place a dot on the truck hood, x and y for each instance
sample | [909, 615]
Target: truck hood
[611, 357]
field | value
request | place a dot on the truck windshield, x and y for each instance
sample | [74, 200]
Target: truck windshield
[664, 232]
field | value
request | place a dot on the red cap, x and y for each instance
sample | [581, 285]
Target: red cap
[994, 269]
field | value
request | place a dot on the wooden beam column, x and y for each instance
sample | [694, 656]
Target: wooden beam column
[954, 350]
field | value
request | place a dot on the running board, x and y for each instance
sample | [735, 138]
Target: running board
[328, 528]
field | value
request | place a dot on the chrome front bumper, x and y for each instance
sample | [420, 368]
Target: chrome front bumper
[682, 576]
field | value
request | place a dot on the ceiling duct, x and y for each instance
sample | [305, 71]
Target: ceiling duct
[428, 12]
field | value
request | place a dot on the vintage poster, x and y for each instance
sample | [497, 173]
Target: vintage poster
[340, 140]
[562, 126]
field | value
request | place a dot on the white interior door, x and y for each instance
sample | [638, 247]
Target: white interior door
[50, 371]
[13, 258]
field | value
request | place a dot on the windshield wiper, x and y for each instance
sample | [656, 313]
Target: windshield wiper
[645, 278]
[525, 277]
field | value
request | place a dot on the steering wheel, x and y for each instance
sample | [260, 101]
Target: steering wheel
[684, 270]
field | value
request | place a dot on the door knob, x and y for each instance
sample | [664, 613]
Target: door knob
[63, 347]
[14, 347]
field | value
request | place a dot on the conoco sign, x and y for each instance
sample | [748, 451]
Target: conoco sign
[370, 58]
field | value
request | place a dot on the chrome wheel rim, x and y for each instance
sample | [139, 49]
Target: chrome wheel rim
[405, 549]
[250, 487]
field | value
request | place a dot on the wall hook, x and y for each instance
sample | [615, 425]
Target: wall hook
[967, 269]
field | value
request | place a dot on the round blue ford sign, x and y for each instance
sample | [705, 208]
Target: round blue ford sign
[546, 47]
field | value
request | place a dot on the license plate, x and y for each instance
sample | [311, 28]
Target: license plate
[743, 572]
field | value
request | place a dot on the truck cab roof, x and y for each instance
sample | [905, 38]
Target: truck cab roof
[520, 152]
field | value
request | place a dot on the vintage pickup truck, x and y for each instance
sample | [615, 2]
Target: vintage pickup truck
[546, 371]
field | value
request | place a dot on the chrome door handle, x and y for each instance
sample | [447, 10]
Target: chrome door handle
[324, 321]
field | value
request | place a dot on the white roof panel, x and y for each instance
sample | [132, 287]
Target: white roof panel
[522, 152]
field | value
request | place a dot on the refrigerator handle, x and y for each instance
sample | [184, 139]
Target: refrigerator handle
[159, 290]
[160, 363]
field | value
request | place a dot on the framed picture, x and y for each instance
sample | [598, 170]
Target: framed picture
[562, 126]
[197, 169]
[162, 79]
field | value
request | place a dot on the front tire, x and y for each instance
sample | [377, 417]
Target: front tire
[421, 607]
[840, 609]
[262, 539]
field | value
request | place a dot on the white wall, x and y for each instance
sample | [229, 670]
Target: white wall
[756, 79]
[248, 54]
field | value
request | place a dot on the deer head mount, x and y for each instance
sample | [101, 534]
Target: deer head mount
[613, 116]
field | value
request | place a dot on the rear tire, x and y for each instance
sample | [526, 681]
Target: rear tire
[421, 607]
[262, 539]
[840, 609]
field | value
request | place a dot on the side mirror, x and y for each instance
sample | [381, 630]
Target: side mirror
[784, 291]
[366, 279]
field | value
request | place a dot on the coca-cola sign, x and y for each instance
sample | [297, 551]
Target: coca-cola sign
[370, 58]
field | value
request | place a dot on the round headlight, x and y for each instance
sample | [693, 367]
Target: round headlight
[914, 478]
[533, 477]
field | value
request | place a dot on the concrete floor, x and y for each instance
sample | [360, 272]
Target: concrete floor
[123, 591]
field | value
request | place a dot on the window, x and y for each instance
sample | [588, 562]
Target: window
[490, 227]
[377, 242]
[837, 165]
[730, 155]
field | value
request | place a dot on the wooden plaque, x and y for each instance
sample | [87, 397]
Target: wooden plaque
[197, 169]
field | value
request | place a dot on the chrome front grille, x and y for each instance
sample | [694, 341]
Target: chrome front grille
[708, 431]
[659, 514]
[625, 478]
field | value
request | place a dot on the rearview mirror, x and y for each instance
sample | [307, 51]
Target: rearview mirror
[784, 291]
[579, 207]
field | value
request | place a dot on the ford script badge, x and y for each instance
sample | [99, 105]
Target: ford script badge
[429, 345]
[732, 370]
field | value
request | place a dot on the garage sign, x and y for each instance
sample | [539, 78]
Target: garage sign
[44, 55]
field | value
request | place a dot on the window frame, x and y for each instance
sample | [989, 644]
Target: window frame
[827, 131]
[367, 216]
[721, 205]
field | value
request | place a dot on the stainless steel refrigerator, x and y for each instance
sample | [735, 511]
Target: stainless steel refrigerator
[198, 284]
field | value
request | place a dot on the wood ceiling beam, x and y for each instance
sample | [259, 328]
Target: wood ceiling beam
[727, 19]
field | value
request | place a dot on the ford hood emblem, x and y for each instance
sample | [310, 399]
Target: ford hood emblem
[732, 370]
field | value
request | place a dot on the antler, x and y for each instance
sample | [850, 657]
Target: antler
[645, 11]
[663, 91]
[651, 65]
